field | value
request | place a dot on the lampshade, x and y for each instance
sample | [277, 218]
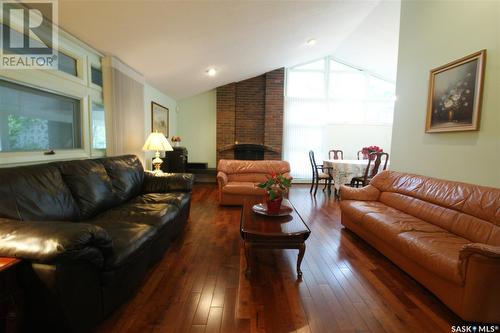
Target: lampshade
[157, 142]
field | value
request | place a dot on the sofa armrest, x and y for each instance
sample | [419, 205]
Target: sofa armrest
[480, 270]
[485, 250]
[367, 193]
[167, 182]
[221, 179]
[50, 242]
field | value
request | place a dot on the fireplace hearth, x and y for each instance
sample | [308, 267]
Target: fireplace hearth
[249, 152]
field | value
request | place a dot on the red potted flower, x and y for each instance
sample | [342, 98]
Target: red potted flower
[276, 187]
[366, 151]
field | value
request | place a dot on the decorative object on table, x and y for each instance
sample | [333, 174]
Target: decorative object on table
[176, 140]
[262, 209]
[157, 142]
[366, 151]
[455, 93]
[276, 186]
[159, 118]
[319, 172]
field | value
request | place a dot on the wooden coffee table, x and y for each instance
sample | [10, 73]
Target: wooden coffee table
[272, 232]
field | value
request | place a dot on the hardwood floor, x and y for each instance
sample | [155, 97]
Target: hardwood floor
[347, 286]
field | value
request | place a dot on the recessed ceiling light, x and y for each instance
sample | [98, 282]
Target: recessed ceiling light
[211, 72]
[311, 42]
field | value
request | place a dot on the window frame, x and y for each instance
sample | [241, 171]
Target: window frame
[96, 152]
[7, 158]
[64, 84]
[328, 99]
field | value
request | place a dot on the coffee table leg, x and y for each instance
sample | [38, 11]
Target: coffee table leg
[246, 247]
[302, 250]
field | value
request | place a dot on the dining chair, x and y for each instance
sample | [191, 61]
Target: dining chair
[319, 172]
[377, 159]
[336, 154]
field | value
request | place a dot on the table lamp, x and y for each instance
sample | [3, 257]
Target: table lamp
[155, 142]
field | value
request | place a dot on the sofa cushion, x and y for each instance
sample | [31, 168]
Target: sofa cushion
[90, 185]
[456, 222]
[474, 200]
[415, 238]
[154, 215]
[179, 199]
[391, 222]
[127, 238]
[247, 177]
[438, 252]
[357, 209]
[126, 174]
[264, 167]
[36, 193]
[243, 188]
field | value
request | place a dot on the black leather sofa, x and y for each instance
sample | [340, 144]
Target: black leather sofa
[88, 231]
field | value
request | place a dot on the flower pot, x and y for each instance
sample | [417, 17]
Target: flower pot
[274, 206]
[177, 144]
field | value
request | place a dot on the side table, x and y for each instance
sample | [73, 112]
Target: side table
[10, 295]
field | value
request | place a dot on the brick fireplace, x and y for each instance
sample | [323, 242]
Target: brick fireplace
[250, 114]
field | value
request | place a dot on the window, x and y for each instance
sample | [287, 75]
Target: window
[32, 120]
[98, 127]
[96, 76]
[333, 105]
[67, 64]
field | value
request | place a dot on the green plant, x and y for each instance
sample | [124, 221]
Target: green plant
[276, 185]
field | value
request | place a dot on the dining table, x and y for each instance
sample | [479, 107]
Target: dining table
[343, 171]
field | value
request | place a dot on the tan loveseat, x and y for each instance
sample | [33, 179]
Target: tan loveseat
[238, 179]
[444, 234]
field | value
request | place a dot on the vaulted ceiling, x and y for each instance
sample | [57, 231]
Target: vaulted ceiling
[173, 43]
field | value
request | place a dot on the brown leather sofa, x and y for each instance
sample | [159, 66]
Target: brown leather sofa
[444, 234]
[238, 179]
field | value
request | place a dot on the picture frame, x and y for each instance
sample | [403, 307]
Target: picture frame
[159, 118]
[455, 95]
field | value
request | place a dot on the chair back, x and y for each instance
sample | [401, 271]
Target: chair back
[367, 173]
[335, 154]
[360, 155]
[377, 159]
[313, 163]
[384, 159]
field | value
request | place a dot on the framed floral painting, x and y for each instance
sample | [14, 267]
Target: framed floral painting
[455, 92]
[159, 118]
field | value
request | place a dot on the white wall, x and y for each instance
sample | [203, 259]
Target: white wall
[434, 33]
[152, 94]
[197, 127]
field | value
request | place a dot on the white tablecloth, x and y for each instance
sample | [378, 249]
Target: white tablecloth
[344, 170]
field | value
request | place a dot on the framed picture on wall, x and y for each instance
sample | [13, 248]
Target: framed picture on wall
[159, 118]
[455, 93]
